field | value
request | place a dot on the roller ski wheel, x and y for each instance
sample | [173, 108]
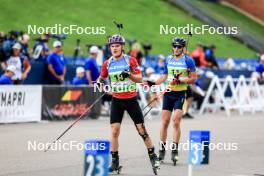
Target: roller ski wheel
[115, 170]
[155, 171]
[174, 157]
[155, 163]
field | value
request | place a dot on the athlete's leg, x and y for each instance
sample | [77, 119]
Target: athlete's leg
[116, 116]
[115, 131]
[168, 104]
[166, 115]
[177, 116]
[144, 134]
[176, 125]
[135, 113]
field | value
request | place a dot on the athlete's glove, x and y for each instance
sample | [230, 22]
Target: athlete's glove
[151, 83]
[177, 79]
[125, 74]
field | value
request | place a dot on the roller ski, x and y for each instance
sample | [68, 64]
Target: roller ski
[174, 156]
[154, 162]
[161, 155]
[115, 168]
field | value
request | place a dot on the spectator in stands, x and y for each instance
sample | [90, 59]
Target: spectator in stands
[243, 66]
[199, 90]
[80, 78]
[56, 65]
[24, 44]
[106, 51]
[229, 64]
[199, 56]
[6, 78]
[159, 68]
[210, 57]
[150, 73]
[8, 44]
[41, 49]
[2, 52]
[205, 83]
[260, 69]
[20, 62]
[136, 52]
[91, 67]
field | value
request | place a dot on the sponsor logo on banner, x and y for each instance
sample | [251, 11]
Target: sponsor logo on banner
[15, 101]
[71, 95]
[66, 102]
[20, 103]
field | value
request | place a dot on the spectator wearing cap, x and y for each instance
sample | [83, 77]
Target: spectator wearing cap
[6, 78]
[91, 67]
[56, 65]
[80, 78]
[20, 62]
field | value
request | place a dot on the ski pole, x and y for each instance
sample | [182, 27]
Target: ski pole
[156, 98]
[77, 120]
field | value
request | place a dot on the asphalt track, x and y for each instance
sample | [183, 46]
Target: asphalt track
[247, 131]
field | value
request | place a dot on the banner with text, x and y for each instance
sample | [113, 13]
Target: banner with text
[20, 103]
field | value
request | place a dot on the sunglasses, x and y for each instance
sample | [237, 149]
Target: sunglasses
[177, 46]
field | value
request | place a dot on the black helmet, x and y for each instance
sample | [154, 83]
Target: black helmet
[117, 38]
[178, 41]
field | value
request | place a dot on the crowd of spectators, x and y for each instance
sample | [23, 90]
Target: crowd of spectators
[15, 52]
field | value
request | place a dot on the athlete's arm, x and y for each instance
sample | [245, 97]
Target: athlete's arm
[192, 75]
[88, 75]
[137, 78]
[64, 72]
[27, 67]
[104, 72]
[191, 79]
[136, 75]
[164, 76]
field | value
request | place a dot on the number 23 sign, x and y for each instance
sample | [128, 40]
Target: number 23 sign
[96, 159]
